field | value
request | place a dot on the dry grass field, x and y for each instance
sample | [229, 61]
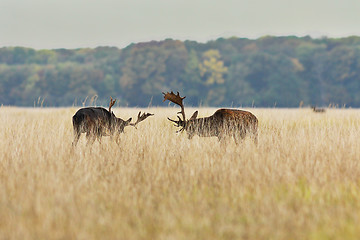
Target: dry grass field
[302, 180]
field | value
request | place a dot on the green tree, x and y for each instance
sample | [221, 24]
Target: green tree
[212, 73]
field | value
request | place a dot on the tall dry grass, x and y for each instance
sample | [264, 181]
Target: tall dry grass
[300, 182]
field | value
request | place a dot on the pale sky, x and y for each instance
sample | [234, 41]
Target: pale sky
[48, 24]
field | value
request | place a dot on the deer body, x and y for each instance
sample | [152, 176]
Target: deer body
[97, 122]
[318, 110]
[223, 123]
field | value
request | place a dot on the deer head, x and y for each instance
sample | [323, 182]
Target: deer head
[119, 123]
[183, 123]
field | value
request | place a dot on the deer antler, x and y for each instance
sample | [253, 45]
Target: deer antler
[112, 102]
[141, 118]
[177, 100]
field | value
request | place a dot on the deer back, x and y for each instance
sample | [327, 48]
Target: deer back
[236, 117]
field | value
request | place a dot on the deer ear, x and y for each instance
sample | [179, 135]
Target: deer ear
[194, 116]
[129, 120]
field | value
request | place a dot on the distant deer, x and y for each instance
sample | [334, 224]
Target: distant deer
[97, 122]
[318, 110]
[223, 123]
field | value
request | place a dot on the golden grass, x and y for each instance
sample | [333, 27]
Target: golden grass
[302, 181]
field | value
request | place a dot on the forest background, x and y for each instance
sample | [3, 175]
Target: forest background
[264, 72]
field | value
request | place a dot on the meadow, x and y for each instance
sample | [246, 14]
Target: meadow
[302, 180]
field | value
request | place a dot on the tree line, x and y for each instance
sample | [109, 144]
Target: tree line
[264, 72]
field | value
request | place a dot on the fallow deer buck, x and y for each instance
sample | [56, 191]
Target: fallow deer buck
[97, 122]
[318, 110]
[223, 123]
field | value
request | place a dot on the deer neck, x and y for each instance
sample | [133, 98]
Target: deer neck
[201, 126]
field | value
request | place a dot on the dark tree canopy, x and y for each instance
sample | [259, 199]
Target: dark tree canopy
[266, 72]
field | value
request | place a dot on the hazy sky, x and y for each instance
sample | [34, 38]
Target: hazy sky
[90, 23]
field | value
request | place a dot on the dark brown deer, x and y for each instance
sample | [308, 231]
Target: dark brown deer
[318, 110]
[97, 122]
[223, 123]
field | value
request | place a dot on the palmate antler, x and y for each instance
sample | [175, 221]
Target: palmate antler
[112, 102]
[141, 118]
[177, 100]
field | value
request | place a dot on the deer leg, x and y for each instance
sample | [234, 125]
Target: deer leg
[238, 134]
[255, 138]
[190, 136]
[98, 134]
[99, 139]
[224, 140]
[236, 139]
[90, 138]
[117, 139]
[76, 138]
